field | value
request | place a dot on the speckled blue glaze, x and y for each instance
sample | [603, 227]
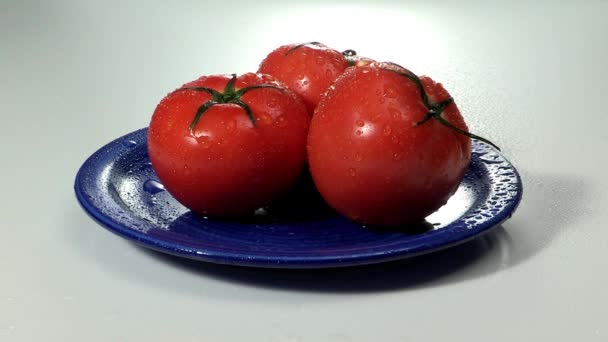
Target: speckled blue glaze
[118, 188]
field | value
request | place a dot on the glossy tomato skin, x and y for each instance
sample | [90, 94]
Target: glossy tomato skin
[225, 165]
[368, 158]
[308, 69]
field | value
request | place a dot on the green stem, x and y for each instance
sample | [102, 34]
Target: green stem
[199, 113]
[446, 123]
[229, 95]
[434, 110]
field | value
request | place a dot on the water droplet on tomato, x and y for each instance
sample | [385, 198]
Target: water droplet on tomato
[359, 132]
[395, 139]
[352, 172]
[204, 141]
[390, 92]
[230, 125]
[153, 187]
[272, 103]
[264, 118]
[360, 123]
[187, 171]
[397, 156]
[358, 156]
[387, 130]
[281, 122]
[395, 113]
[376, 117]
[365, 70]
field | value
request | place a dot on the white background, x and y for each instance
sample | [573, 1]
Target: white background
[529, 76]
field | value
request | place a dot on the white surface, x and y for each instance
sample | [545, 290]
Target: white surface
[75, 75]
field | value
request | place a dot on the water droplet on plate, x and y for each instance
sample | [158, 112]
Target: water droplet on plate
[153, 187]
[129, 143]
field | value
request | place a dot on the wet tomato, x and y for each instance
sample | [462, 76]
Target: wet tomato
[225, 145]
[386, 147]
[308, 69]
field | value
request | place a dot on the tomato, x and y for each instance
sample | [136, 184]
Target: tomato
[308, 69]
[386, 147]
[226, 145]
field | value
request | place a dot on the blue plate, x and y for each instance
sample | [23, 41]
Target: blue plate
[118, 187]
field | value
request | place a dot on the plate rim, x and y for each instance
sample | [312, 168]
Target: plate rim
[296, 262]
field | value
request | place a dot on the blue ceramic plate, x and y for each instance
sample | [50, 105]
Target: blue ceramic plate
[118, 187]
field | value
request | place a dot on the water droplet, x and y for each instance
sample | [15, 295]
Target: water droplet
[204, 140]
[395, 113]
[281, 122]
[390, 92]
[187, 171]
[359, 132]
[395, 139]
[376, 117]
[265, 118]
[153, 187]
[272, 103]
[360, 123]
[352, 172]
[230, 125]
[387, 130]
[129, 143]
[358, 156]
[397, 156]
[365, 70]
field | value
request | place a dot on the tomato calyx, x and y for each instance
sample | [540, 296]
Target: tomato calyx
[229, 95]
[317, 44]
[434, 109]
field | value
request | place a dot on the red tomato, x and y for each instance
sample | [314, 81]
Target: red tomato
[224, 145]
[379, 149]
[308, 69]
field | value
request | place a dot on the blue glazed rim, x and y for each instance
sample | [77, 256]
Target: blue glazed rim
[459, 231]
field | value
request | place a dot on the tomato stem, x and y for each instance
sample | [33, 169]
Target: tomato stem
[434, 110]
[229, 95]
